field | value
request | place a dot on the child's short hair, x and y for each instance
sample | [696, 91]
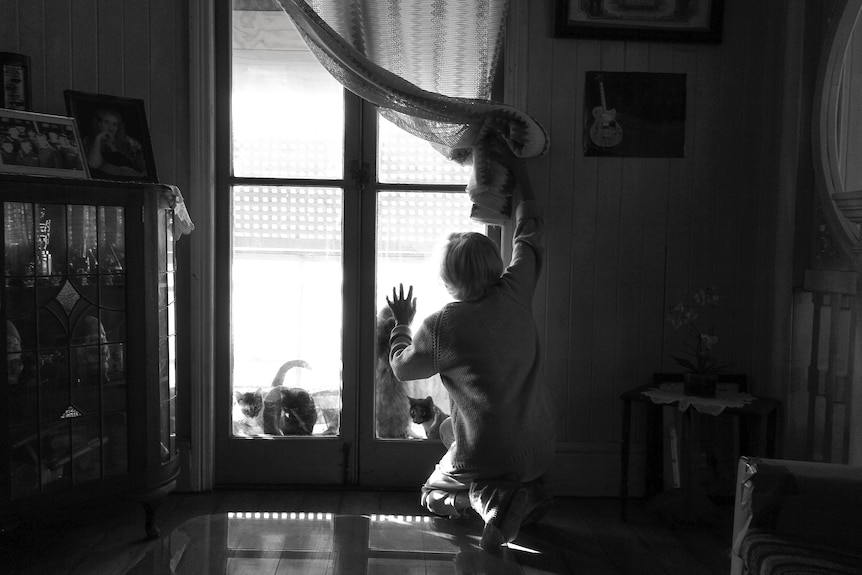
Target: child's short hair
[470, 263]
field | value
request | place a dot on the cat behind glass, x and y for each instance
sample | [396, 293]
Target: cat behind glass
[426, 412]
[281, 411]
[392, 408]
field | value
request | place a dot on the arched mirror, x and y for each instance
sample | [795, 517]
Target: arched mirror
[826, 325]
[838, 125]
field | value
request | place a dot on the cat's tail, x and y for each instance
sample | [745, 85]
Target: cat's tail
[287, 366]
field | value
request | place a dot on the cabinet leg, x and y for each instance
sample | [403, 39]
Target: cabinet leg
[151, 499]
[150, 507]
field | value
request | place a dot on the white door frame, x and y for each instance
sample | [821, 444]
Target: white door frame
[200, 453]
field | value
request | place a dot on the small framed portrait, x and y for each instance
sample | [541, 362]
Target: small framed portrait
[15, 80]
[115, 136]
[40, 144]
[654, 20]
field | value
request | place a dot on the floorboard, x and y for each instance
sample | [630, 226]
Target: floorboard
[338, 532]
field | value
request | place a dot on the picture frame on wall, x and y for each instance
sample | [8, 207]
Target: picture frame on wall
[695, 21]
[16, 92]
[634, 114]
[115, 136]
[40, 144]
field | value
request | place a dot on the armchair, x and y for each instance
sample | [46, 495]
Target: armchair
[796, 517]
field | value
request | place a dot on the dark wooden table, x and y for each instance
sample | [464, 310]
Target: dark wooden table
[758, 421]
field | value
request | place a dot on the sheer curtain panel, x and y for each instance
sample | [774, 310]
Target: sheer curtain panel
[428, 65]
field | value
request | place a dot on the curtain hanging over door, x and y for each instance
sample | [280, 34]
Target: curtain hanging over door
[428, 65]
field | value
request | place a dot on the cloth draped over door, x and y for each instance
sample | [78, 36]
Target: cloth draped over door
[428, 66]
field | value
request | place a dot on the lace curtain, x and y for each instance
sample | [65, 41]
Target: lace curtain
[428, 65]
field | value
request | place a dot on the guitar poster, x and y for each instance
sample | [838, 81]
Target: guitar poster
[634, 114]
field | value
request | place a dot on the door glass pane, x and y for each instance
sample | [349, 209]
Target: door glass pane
[286, 310]
[411, 228]
[287, 110]
[405, 159]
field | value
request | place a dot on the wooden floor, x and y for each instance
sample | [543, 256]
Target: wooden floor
[361, 532]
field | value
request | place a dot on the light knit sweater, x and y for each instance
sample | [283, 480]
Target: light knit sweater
[487, 354]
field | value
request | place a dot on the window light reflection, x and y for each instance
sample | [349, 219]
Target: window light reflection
[521, 548]
[283, 516]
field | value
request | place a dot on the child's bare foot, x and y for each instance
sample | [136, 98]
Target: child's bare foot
[539, 501]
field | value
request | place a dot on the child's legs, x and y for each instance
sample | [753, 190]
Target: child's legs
[447, 433]
[442, 494]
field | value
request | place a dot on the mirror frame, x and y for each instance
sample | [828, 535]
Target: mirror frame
[842, 209]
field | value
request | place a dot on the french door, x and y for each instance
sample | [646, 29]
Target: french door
[322, 208]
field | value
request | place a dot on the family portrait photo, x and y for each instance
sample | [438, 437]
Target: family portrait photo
[40, 144]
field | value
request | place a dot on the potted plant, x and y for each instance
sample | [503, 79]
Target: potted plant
[698, 357]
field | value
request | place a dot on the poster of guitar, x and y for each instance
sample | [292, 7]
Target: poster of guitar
[634, 114]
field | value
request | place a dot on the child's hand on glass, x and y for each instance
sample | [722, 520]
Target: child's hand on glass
[402, 308]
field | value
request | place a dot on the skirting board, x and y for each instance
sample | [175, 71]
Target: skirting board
[579, 470]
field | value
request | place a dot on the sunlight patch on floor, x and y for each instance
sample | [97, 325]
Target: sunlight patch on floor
[515, 547]
[402, 518]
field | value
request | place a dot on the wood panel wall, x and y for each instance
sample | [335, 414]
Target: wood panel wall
[628, 237]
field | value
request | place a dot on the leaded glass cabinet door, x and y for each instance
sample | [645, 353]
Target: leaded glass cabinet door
[65, 345]
[86, 301]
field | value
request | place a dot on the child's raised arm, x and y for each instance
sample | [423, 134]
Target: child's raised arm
[522, 178]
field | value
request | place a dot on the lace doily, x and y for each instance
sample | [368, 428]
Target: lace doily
[709, 405]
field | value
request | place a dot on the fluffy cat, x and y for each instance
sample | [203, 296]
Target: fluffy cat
[282, 411]
[391, 406]
[426, 412]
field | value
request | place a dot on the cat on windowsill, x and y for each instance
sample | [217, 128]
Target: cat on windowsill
[281, 411]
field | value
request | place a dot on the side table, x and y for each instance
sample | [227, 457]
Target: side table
[758, 421]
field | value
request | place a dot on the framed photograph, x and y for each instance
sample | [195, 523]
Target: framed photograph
[654, 20]
[115, 136]
[40, 144]
[634, 114]
[15, 79]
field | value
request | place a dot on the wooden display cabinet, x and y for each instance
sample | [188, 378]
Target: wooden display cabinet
[89, 396]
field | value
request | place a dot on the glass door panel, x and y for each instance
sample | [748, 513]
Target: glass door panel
[287, 111]
[419, 201]
[405, 159]
[167, 339]
[280, 393]
[411, 228]
[286, 312]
